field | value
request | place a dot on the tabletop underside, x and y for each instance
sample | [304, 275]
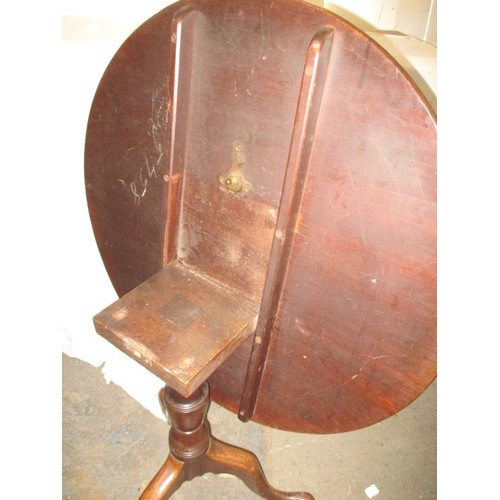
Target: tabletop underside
[334, 232]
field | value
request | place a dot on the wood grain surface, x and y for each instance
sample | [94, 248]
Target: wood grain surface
[351, 336]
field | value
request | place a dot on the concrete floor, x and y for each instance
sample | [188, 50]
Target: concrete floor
[112, 448]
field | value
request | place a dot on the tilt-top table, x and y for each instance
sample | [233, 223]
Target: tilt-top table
[261, 180]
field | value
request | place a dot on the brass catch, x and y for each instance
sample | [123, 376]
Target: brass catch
[233, 181]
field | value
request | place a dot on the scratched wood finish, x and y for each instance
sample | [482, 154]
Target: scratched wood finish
[353, 337]
[179, 324]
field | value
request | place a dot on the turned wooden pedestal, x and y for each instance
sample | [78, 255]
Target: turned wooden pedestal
[194, 451]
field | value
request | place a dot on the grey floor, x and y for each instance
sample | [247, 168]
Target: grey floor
[112, 447]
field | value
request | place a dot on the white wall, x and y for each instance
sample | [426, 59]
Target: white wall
[417, 18]
[92, 32]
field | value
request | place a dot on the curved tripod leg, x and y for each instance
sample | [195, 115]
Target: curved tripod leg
[225, 458]
[194, 451]
[167, 480]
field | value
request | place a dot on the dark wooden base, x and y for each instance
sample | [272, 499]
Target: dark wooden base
[194, 451]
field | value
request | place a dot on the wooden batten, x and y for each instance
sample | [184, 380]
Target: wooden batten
[182, 40]
[311, 93]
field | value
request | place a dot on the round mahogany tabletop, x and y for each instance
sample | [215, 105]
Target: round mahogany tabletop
[354, 334]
